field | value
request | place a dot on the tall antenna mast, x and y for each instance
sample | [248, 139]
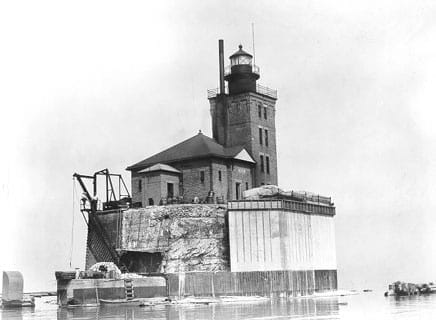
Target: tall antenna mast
[254, 52]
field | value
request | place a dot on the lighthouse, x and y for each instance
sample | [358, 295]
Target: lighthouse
[243, 113]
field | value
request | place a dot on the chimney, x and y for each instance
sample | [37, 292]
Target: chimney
[221, 62]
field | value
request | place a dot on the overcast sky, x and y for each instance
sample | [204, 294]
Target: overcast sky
[92, 85]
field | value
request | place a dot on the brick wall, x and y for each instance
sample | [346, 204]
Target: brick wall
[151, 188]
[154, 186]
[220, 187]
[136, 194]
[241, 173]
[257, 149]
[238, 123]
[191, 179]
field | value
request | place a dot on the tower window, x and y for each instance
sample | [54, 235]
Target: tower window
[266, 137]
[219, 176]
[246, 186]
[202, 176]
[260, 135]
[259, 110]
[139, 185]
[262, 167]
[267, 164]
[238, 190]
[264, 112]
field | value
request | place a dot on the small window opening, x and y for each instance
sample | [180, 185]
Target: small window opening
[264, 112]
[262, 167]
[267, 164]
[259, 110]
[219, 175]
[260, 135]
[150, 202]
[202, 176]
[140, 185]
[238, 190]
[246, 186]
[266, 137]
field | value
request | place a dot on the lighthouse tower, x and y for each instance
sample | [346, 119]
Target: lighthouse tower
[243, 114]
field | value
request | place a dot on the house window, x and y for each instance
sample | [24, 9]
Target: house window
[260, 135]
[202, 176]
[139, 185]
[264, 112]
[262, 168]
[267, 164]
[246, 186]
[150, 202]
[266, 137]
[219, 175]
[259, 110]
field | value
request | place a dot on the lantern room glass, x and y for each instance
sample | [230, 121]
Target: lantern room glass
[241, 59]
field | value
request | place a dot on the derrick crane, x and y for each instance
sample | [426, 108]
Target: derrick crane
[98, 240]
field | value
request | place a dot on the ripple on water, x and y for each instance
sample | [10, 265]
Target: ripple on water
[363, 306]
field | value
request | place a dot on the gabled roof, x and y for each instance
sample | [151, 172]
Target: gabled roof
[159, 167]
[198, 146]
[243, 155]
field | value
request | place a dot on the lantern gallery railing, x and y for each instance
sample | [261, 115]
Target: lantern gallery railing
[212, 93]
[255, 69]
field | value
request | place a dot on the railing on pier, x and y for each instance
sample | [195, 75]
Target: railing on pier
[278, 204]
[212, 93]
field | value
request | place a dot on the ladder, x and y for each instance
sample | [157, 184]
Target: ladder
[128, 287]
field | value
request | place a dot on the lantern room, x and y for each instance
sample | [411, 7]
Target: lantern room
[242, 74]
[240, 57]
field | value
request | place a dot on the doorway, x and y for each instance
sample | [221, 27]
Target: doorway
[142, 262]
[170, 190]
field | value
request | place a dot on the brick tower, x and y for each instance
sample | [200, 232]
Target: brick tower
[243, 114]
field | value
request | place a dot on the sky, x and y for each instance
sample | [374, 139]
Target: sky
[88, 85]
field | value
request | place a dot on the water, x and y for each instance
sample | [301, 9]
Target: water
[363, 306]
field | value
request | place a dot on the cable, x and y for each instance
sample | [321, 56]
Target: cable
[72, 224]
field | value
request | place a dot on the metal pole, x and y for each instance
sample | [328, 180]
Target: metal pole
[254, 52]
[221, 65]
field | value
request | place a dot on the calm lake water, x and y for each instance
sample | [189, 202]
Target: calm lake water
[362, 306]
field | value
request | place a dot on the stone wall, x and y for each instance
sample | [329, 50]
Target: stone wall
[190, 237]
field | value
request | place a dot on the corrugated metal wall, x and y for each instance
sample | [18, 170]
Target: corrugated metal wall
[280, 240]
[262, 283]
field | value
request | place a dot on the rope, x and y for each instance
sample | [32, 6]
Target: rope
[72, 224]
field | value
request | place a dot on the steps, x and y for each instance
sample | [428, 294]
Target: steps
[128, 287]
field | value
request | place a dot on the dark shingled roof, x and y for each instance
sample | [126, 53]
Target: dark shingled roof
[199, 146]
